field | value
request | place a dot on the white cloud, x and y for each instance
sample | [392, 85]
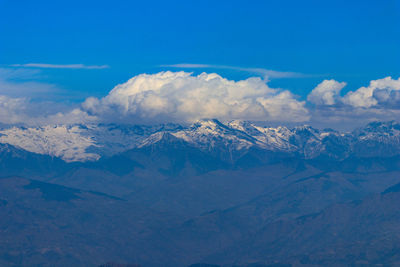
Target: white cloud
[180, 96]
[73, 116]
[382, 92]
[378, 101]
[184, 97]
[60, 66]
[326, 93]
[25, 101]
[23, 111]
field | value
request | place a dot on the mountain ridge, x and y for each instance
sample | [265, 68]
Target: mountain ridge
[85, 143]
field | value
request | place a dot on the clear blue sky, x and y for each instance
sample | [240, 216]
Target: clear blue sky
[352, 41]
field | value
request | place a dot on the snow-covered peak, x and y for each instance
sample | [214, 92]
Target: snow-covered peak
[385, 133]
[163, 138]
[89, 142]
[66, 142]
[276, 138]
[79, 142]
[306, 130]
[210, 133]
[209, 125]
[246, 127]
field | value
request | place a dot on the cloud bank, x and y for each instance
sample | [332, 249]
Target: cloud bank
[382, 93]
[184, 97]
[378, 101]
[180, 96]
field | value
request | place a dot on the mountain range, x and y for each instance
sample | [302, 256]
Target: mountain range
[83, 143]
[206, 194]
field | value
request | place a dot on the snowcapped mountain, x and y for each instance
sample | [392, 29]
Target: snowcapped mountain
[94, 141]
[377, 139]
[80, 142]
[68, 142]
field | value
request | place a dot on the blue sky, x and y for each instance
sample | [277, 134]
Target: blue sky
[67, 51]
[352, 41]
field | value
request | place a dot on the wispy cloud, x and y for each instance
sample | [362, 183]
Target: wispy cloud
[265, 73]
[189, 66]
[21, 83]
[59, 66]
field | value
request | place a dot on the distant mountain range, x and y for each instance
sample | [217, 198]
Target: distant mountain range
[83, 143]
[207, 194]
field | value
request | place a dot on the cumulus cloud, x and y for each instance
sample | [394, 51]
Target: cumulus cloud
[378, 101]
[326, 93]
[382, 92]
[184, 97]
[181, 96]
